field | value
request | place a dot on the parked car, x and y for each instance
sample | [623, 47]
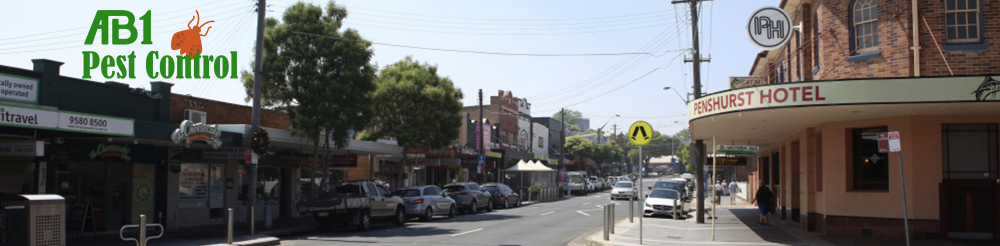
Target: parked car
[469, 196]
[503, 196]
[598, 185]
[671, 185]
[623, 190]
[576, 183]
[426, 201]
[357, 202]
[661, 202]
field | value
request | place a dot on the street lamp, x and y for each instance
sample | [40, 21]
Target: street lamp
[602, 127]
[678, 94]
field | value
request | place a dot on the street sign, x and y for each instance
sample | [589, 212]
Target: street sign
[883, 142]
[894, 141]
[482, 160]
[247, 156]
[738, 149]
[640, 133]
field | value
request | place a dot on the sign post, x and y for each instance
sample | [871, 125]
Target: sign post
[894, 146]
[482, 164]
[640, 134]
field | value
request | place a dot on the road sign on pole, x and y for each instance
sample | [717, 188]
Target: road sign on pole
[640, 133]
[482, 160]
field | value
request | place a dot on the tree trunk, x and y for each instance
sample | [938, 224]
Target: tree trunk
[312, 172]
[326, 157]
[402, 165]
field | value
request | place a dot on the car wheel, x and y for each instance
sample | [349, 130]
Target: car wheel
[400, 216]
[506, 204]
[451, 211]
[489, 206]
[474, 208]
[428, 214]
[364, 221]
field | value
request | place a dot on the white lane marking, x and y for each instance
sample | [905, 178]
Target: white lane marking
[548, 213]
[581, 212]
[586, 203]
[599, 206]
[480, 229]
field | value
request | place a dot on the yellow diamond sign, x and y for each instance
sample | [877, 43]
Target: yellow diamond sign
[640, 133]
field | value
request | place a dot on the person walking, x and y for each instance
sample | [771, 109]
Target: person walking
[763, 201]
[718, 193]
[733, 190]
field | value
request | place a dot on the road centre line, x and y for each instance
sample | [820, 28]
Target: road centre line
[581, 212]
[586, 203]
[480, 229]
[547, 213]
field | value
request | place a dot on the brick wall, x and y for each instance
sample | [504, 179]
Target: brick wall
[894, 41]
[224, 113]
[364, 169]
[975, 62]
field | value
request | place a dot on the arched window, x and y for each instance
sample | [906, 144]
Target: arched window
[864, 21]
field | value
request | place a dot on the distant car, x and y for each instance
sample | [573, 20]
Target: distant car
[598, 185]
[661, 202]
[623, 190]
[576, 184]
[469, 196]
[502, 195]
[427, 201]
[671, 185]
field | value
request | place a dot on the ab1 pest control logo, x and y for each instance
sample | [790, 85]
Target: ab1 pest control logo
[190, 63]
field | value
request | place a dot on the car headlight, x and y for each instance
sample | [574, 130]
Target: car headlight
[647, 205]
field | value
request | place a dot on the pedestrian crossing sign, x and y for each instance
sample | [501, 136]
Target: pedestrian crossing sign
[640, 133]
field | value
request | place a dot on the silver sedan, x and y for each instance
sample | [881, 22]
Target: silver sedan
[426, 201]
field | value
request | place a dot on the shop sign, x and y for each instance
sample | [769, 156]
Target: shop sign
[847, 92]
[738, 149]
[18, 88]
[65, 121]
[769, 28]
[94, 123]
[107, 151]
[224, 154]
[190, 131]
[17, 148]
[745, 81]
[344, 161]
[143, 192]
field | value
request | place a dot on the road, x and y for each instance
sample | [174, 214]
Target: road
[550, 223]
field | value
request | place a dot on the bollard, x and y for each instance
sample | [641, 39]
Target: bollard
[675, 210]
[611, 222]
[606, 229]
[229, 227]
[142, 230]
[631, 206]
[252, 220]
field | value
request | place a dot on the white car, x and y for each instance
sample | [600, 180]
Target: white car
[662, 202]
[623, 190]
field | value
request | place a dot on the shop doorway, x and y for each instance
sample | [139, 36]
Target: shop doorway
[968, 190]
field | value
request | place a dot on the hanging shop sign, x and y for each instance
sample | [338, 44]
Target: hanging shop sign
[17, 148]
[65, 121]
[190, 131]
[344, 161]
[18, 88]
[111, 151]
[769, 28]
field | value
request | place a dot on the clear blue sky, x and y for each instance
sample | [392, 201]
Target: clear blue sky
[598, 86]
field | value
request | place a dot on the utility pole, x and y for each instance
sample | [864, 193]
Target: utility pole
[482, 141]
[255, 118]
[562, 138]
[698, 152]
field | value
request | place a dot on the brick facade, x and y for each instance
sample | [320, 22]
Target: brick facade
[831, 20]
[224, 113]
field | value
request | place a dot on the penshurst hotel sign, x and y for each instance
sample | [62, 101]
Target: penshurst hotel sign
[868, 91]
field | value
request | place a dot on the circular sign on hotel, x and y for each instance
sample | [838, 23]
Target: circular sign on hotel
[769, 28]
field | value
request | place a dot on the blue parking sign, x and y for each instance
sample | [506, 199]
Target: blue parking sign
[482, 160]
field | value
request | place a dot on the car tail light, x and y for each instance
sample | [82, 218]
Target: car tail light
[499, 195]
[418, 201]
[463, 193]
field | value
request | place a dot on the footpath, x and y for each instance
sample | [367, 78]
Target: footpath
[735, 225]
[205, 235]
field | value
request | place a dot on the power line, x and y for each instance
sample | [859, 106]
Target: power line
[508, 23]
[510, 20]
[515, 28]
[480, 52]
[619, 87]
[505, 34]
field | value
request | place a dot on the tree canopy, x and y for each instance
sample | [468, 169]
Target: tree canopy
[416, 105]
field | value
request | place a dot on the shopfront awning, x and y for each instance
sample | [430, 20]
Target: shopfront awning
[764, 115]
[528, 166]
[283, 139]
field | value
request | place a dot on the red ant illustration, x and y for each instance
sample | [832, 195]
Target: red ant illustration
[190, 47]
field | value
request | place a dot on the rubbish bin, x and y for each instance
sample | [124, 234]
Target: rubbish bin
[36, 220]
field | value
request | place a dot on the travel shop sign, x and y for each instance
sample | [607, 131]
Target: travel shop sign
[191, 63]
[868, 91]
[65, 121]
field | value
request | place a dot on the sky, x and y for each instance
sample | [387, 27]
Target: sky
[602, 58]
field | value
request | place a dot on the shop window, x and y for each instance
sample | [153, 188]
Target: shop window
[815, 43]
[864, 23]
[963, 21]
[969, 151]
[871, 168]
[193, 185]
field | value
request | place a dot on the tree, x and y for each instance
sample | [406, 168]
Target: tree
[684, 154]
[325, 79]
[580, 147]
[572, 117]
[416, 106]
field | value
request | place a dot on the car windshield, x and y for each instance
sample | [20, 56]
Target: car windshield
[491, 189]
[408, 193]
[454, 188]
[576, 179]
[666, 194]
[623, 185]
